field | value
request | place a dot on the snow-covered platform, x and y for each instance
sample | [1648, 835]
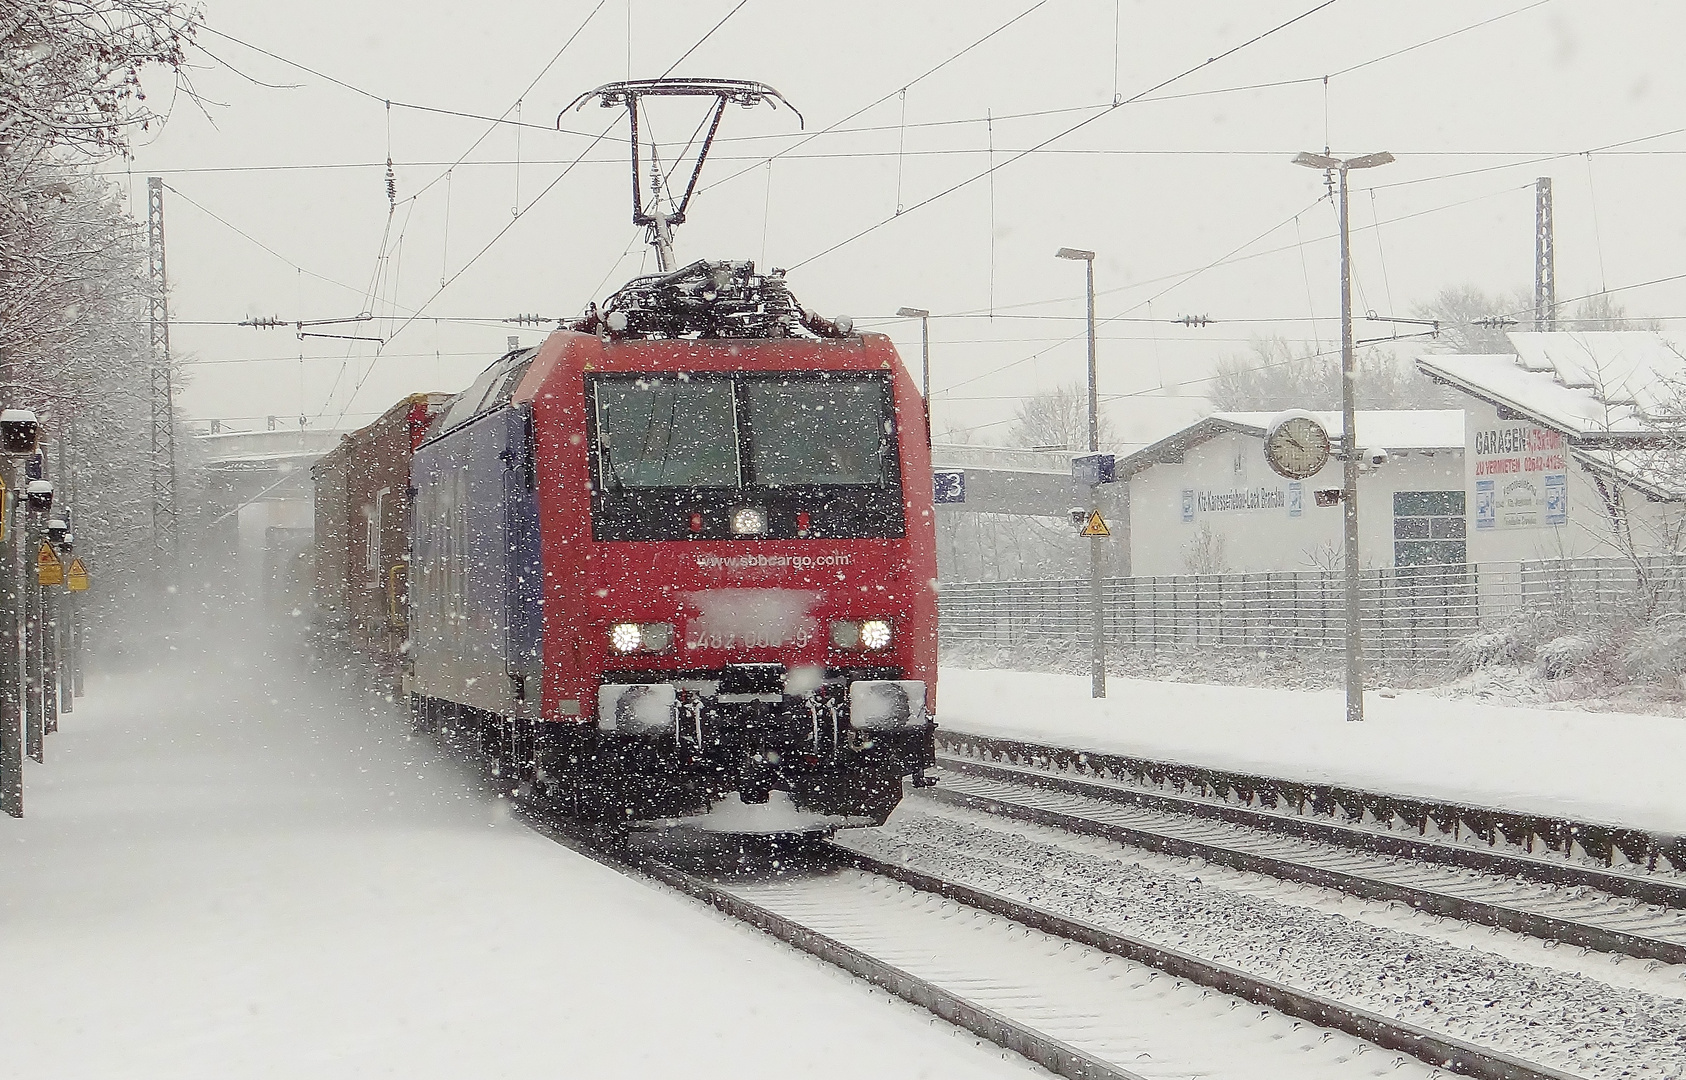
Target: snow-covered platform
[227, 873]
[1610, 768]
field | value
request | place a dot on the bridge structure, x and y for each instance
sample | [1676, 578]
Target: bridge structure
[258, 506]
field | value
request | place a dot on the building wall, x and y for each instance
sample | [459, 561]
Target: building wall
[1245, 508]
[1586, 531]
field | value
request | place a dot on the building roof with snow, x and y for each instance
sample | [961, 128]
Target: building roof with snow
[1394, 430]
[1603, 386]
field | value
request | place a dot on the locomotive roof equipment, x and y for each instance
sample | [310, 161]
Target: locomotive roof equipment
[657, 218]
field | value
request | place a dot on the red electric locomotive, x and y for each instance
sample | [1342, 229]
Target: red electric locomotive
[682, 550]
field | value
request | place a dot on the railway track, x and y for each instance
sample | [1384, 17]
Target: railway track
[1343, 859]
[1083, 1001]
[1553, 850]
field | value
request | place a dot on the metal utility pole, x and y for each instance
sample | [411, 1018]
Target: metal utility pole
[56, 530]
[11, 695]
[924, 318]
[35, 534]
[1097, 612]
[60, 622]
[165, 527]
[73, 629]
[1545, 259]
[1349, 434]
[18, 429]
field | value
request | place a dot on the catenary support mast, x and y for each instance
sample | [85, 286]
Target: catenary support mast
[165, 527]
[1545, 259]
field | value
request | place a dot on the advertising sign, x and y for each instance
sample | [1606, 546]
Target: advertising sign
[1519, 477]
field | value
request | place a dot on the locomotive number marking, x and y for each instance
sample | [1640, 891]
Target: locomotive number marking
[769, 639]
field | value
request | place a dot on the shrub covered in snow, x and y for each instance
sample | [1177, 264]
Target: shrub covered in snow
[1505, 645]
[1656, 652]
[1563, 656]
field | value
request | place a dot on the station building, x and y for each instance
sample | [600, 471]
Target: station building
[1573, 445]
[1203, 500]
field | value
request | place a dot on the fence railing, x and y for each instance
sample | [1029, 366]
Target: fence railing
[1408, 612]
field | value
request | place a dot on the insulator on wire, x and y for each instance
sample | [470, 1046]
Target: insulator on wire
[391, 185]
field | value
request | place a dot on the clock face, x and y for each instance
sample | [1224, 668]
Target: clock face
[1298, 448]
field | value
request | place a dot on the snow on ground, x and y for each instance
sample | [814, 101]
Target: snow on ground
[1602, 767]
[225, 872]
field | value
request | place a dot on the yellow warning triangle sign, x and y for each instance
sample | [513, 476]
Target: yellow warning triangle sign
[48, 569]
[1096, 526]
[76, 580]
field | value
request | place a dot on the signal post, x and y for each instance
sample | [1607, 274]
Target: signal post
[18, 428]
[38, 499]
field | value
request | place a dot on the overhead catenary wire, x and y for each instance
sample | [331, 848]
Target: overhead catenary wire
[916, 80]
[1201, 66]
[1229, 259]
[521, 212]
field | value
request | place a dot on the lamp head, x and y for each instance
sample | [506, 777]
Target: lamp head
[1075, 253]
[1370, 161]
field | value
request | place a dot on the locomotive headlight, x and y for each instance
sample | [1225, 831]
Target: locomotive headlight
[631, 637]
[869, 634]
[626, 637]
[749, 521]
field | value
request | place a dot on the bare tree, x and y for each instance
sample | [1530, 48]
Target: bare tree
[1600, 312]
[70, 70]
[1207, 552]
[1475, 321]
[1273, 375]
[1058, 419]
[73, 286]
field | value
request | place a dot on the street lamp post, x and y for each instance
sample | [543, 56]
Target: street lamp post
[924, 318]
[1349, 434]
[1097, 615]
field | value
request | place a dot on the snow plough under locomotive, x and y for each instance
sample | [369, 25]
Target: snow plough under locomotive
[679, 550]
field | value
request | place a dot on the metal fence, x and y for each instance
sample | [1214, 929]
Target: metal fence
[1409, 612]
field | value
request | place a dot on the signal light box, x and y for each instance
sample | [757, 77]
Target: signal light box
[1093, 469]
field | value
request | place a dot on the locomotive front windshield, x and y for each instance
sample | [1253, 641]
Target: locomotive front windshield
[667, 433]
[674, 457]
[744, 431]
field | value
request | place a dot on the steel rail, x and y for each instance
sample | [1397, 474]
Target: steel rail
[1533, 924]
[1442, 1051]
[962, 752]
[1436, 1049]
[1052, 1054]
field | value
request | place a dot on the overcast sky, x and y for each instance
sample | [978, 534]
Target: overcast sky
[1188, 194]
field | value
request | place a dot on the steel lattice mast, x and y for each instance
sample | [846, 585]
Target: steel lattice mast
[165, 530]
[1545, 259]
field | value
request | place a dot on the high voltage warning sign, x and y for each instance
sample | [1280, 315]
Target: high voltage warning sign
[48, 569]
[1095, 526]
[76, 579]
